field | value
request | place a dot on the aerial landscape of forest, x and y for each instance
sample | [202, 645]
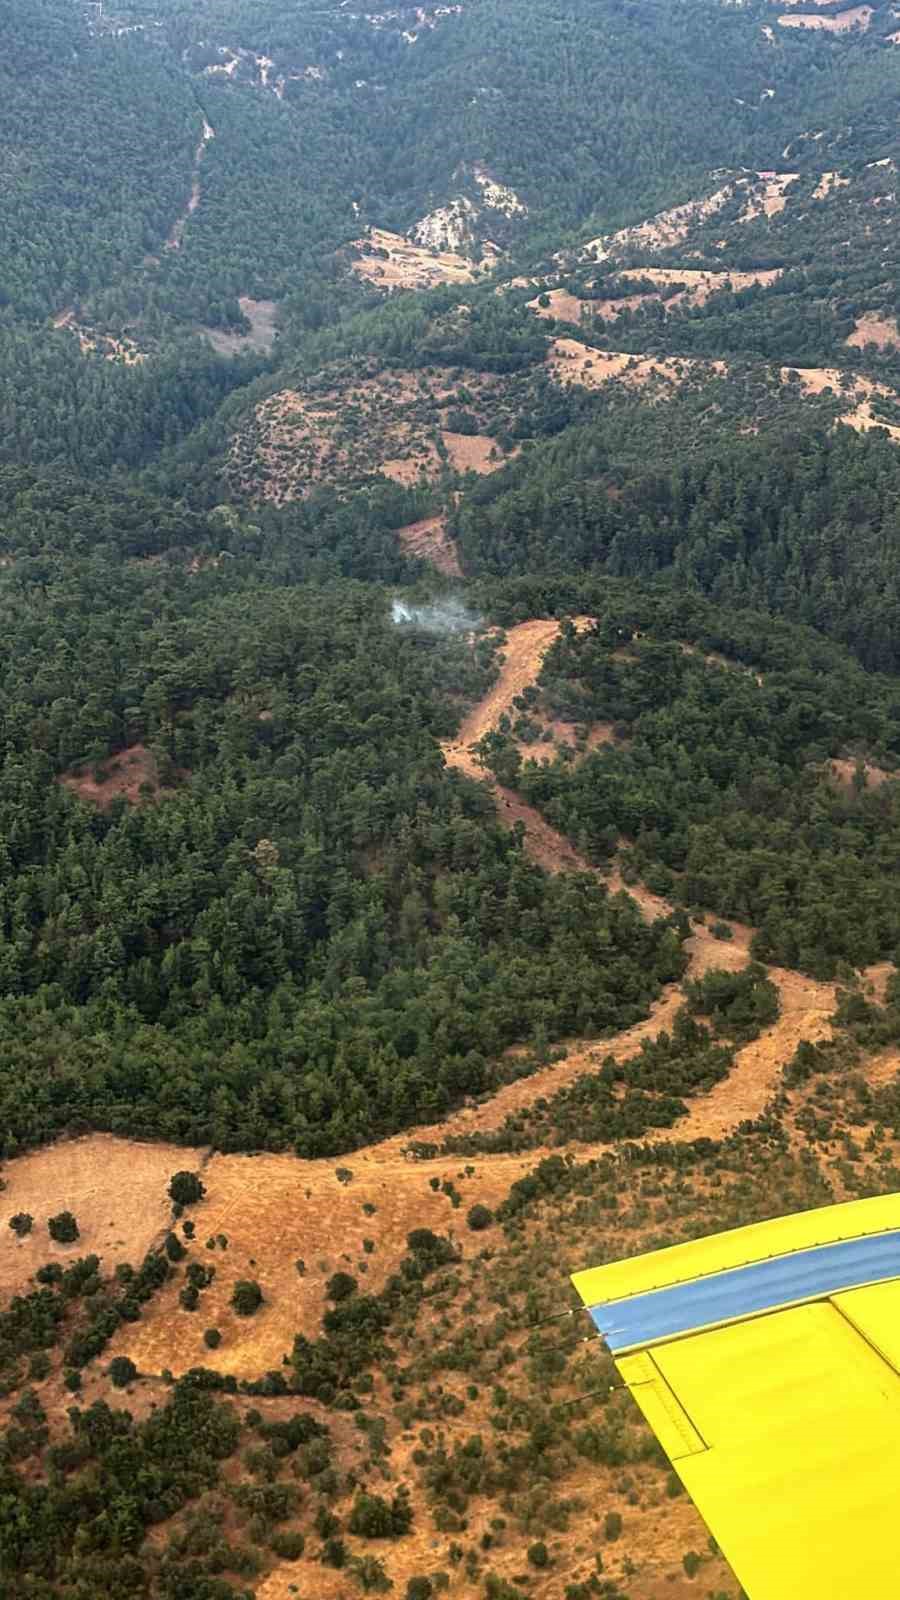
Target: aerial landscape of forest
[449, 759]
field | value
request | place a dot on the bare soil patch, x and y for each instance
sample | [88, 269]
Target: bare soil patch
[525, 646]
[881, 1069]
[767, 196]
[694, 285]
[430, 541]
[698, 283]
[124, 776]
[828, 183]
[571, 361]
[663, 230]
[277, 1210]
[875, 980]
[559, 735]
[391, 262]
[173, 242]
[115, 1188]
[472, 452]
[261, 315]
[881, 331]
[843, 772]
[856, 17]
[422, 461]
[860, 393]
[90, 340]
[560, 303]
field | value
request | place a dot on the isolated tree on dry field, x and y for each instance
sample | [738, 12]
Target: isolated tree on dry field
[63, 1228]
[185, 1188]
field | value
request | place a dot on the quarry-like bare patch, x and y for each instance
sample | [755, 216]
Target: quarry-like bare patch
[131, 775]
[856, 17]
[389, 261]
[115, 1189]
[429, 540]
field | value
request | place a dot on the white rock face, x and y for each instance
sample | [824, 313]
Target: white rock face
[498, 196]
[450, 227]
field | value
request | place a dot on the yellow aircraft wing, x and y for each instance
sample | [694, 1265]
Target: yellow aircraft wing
[767, 1362]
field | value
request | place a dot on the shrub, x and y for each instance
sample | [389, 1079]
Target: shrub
[691, 1563]
[539, 1555]
[612, 1524]
[122, 1371]
[370, 1574]
[247, 1297]
[480, 1217]
[185, 1188]
[174, 1248]
[419, 1589]
[212, 1338]
[21, 1223]
[63, 1228]
[375, 1518]
[288, 1545]
[340, 1286]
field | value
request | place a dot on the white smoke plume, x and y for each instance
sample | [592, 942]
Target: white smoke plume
[443, 616]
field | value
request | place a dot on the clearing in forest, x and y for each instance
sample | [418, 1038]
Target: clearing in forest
[663, 230]
[763, 194]
[130, 775]
[856, 17]
[694, 286]
[429, 540]
[115, 1189]
[880, 331]
[390, 262]
[261, 316]
[862, 395]
[828, 184]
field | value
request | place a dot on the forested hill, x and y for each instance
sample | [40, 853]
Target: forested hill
[302, 305]
[449, 757]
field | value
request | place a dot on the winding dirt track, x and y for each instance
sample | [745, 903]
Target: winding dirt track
[275, 1209]
[805, 1004]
